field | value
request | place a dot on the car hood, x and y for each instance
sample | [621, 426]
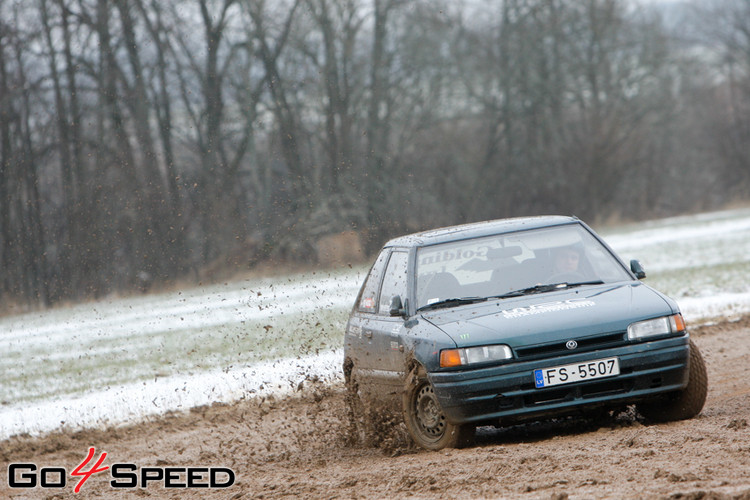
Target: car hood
[547, 317]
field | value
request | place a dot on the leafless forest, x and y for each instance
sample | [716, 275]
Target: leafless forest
[144, 141]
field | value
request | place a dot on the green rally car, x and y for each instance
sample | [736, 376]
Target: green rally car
[499, 322]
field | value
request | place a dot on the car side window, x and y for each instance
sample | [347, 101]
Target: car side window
[394, 282]
[369, 296]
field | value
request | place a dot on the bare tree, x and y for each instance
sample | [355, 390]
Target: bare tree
[141, 138]
[21, 228]
[723, 28]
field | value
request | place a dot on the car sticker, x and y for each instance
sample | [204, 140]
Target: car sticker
[547, 307]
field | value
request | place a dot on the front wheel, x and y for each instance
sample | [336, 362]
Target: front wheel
[426, 422]
[683, 404]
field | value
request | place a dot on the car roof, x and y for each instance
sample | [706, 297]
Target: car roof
[478, 229]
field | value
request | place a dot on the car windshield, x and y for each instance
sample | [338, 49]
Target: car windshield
[532, 261]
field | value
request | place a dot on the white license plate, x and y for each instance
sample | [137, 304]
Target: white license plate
[576, 372]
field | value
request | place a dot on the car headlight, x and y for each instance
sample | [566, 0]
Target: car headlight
[473, 355]
[655, 327]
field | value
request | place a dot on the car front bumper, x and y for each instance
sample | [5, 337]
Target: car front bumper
[507, 392]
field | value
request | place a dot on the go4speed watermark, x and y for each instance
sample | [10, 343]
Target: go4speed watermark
[122, 475]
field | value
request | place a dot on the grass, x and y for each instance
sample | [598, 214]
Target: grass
[68, 352]
[701, 281]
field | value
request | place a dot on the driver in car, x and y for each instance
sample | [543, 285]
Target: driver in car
[566, 260]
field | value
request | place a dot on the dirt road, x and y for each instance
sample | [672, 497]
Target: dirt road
[298, 447]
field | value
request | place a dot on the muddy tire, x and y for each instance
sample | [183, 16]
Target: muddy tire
[358, 424]
[426, 422]
[683, 404]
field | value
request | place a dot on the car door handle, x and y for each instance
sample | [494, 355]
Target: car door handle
[368, 334]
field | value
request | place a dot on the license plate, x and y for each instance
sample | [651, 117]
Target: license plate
[576, 372]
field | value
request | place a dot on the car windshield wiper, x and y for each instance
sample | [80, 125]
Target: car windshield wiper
[584, 283]
[452, 302]
[515, 293]
[551, 287]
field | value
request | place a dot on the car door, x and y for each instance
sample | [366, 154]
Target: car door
[387, 349]
[359, 331]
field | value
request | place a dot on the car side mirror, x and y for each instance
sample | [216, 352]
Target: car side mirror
[397, 307]
[637, 268]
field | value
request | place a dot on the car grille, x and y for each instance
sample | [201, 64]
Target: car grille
[584, 344]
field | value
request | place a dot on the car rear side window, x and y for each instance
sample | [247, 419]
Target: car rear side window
[394, 282]
[368, 299]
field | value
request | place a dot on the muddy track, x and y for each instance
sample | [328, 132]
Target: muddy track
[302, 447]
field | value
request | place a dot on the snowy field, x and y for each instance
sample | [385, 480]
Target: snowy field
[121, 360]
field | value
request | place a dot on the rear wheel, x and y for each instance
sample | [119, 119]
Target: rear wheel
[426, 422]
[359, 422]
[683, 404]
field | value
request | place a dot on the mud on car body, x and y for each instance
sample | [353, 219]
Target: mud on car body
[503, 321]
